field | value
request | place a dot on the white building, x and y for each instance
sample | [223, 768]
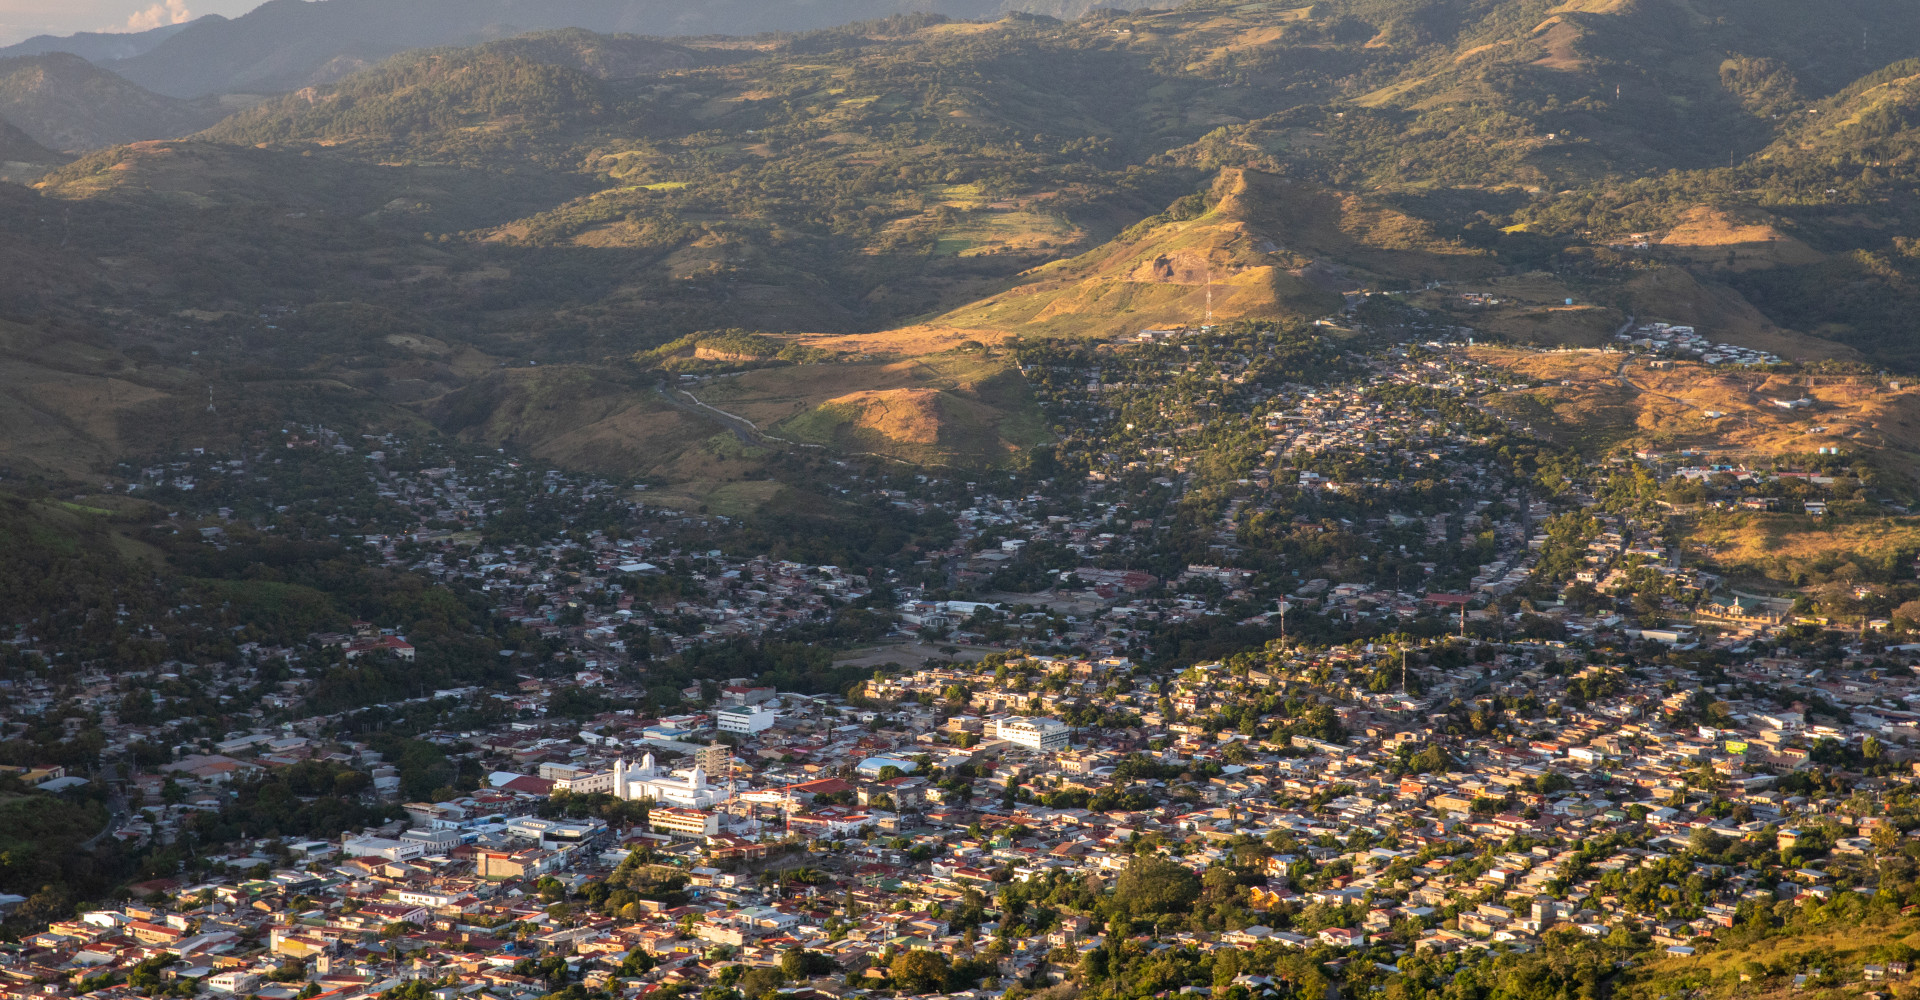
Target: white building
[380, 847]
[430, 899]
[236, 982]
[554, 833]
[433, 841]
[745, 720]
[645, 781]
[1033, 733]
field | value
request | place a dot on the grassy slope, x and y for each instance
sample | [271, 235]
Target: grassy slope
[899, 189]
[954, 408]
[1670, 408]
[1270, 249]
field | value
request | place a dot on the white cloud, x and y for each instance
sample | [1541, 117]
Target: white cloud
[165, 12]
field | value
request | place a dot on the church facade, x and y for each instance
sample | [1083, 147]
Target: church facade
[645, 780]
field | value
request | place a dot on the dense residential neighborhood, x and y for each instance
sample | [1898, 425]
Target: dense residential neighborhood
[1380, 690]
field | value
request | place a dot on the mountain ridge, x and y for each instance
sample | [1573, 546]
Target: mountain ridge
[67, 103]
[101, 46]
[895, 191]
[284, 45]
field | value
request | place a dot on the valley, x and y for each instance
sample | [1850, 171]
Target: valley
[990, 499]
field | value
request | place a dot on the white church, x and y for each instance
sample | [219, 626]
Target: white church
[645, 781]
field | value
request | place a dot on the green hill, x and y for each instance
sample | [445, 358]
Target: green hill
[574, 198]
[21, 158]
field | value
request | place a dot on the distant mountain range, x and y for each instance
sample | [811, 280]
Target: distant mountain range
[285, 45]
[66, 103]
[101, 46]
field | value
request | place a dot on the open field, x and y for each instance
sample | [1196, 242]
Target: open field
[1721, 315]
[1266, 249]
[575, 416]
[1533, 309]
[997, 232]
[1840, 949]
[905, 342]
[951, 408]
[1789, 548]
[1615, 398]
[729, 499]
[1718, 240]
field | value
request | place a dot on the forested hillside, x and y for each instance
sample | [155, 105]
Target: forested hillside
[67, 103]
[586, 198]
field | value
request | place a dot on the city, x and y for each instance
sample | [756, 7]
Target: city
[1509, 713]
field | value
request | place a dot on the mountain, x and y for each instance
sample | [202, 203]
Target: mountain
[100, 46]
[414, 236]
[285, 45]
[65, 102]
[22, 159]
[1250, 246]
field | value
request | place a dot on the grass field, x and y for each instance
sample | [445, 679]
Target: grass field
[1841, 950]
[956, 407]
[904, 342]
[1715, 238]
[1720, 314]
[1267, 249]
[998, 232]
[1719, 410]
[1787, 548]
[729, 499]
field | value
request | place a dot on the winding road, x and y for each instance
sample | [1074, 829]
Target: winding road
[741, 427]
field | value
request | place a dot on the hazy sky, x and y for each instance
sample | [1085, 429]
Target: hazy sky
[25, 18]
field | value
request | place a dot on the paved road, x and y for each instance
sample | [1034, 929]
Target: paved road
[685, 402]
[116, 805]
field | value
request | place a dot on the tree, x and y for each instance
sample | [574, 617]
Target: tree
[1552, 781]
[1153, 884]
[758, 982]
[918, 971]
[800, 964]
[1705, 842]
[1432, 760]
[637, 963]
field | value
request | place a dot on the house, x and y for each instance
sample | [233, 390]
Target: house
[384, 644]
[1343, 937]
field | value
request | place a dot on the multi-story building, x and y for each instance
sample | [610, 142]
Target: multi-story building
[1033, 733]
[683, 822]
[714, 758]
[745, 720]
